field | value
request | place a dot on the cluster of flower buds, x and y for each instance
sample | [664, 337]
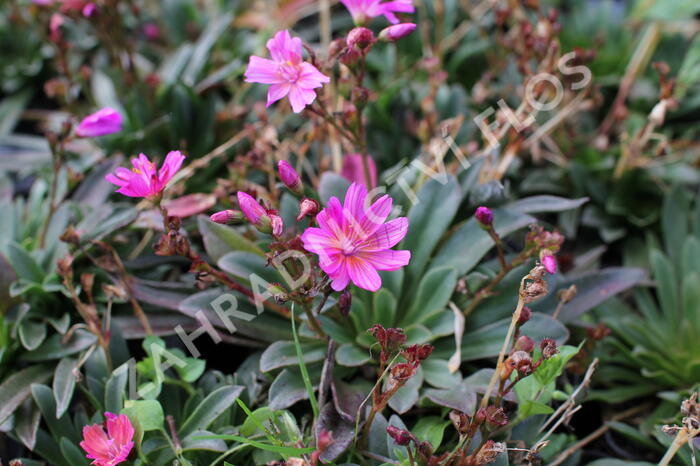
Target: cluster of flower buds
[390, 341]
[547, 243]
[172, 242]
[404, 438]
[535, 286]
[491, 417]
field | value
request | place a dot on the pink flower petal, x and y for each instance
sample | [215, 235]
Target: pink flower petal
[263, 71]
[387, 235]
[387, 260]
[363, 274]
[276, 92]
[300, 97]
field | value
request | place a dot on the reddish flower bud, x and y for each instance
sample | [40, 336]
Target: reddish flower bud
[290, 177]
[227, 217]
[397, 31]
[484, 216]
[308, 207]
[402, 372]
[324, 440]
[395, 338]
[548, 347]
[524, 343]
[525, 315]
[522, 363]
[345, 302]
[361, 38]
[254, 212]
[349, 57]
[480, 416]
[401, 437]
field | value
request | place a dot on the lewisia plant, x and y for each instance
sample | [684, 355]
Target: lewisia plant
[363, 10]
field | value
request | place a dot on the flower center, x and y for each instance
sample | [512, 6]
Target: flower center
[289, 71]
[348, 246]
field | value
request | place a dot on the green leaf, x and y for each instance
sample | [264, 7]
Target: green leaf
[59, 427]
[545, 203]
[149, 413]
[431, 429]
[11, 109]
[287, 389]
[674, 221]
[283, 353]
[115, 387]
[32, 334]
[63, 385]
[200, 55]
[351, 355]
[432, 296]
[221, 239]
[428, 220]
[72, 453]
[384, 304]
[332, 185]
[55, 348]
[16, 388]
[438, 375]
[263, 446]
[689, 73]
[27, 423]
[215, 404]
[25, 266]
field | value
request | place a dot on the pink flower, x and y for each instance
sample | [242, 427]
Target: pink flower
[143, 180]
[397, 31]
[113, 447]
[55, 27]
[353, 242]
[363, 10]
[286, 72]
[354, 170]
[103, 122]
[550, 263]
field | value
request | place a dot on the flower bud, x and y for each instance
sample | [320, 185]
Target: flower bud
[496, 417]
[277, 225]
[103, 122]
[308, 207]
[324, 440]
[460, 421]
[484, 216]
[489, 452]
[254, 212]
[548, 347]
[361, 38]
[345, 302]
[349, 57]
[397, 31]
[480, 416]
[290, 177]
[227, 217]
[524, 343]
[401, 437]
[525, 315]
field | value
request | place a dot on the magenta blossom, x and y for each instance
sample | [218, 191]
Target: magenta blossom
[113, 447]
[354, 171]
[290, 177]
[484, 216]
[353, 242]
[144, 180]
[286, 73]
[397, 31]
[265, 220]
[103, 122]
[363, 10]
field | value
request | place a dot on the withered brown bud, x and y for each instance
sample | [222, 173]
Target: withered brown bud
[65, 266]
[489, 452]
[345, 302]
[460, 421]
[535, 290]
[480, 416]
[496, 417]
[402, 372]
[548, 347]
[565, 296]
[425, 451]
[522, 363]
[336, 47]
[70, 236]
[349, 57]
